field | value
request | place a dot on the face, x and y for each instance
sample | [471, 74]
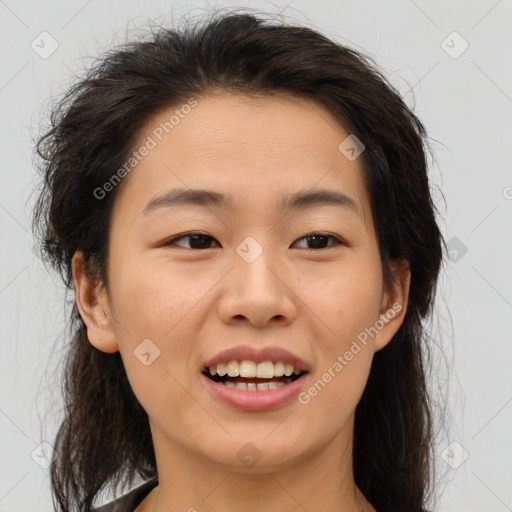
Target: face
[261, 269]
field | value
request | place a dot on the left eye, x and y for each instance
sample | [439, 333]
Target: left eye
[319, 239]
[202, 241]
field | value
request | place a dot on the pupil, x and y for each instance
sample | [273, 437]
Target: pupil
[195, 238]
[316, 239]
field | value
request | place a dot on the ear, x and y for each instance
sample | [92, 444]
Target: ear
[394, 304]
[93, 305]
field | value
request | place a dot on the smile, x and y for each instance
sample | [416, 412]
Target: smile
[253, 386]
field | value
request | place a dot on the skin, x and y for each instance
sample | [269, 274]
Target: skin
[192, 303]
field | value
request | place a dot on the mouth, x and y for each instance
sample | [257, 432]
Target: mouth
[248, 379]
[248, 375]
[254, 394]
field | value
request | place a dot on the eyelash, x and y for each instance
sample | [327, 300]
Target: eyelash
[338, 240]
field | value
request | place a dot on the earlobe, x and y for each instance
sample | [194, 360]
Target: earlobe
[93, 306]
[394, 304]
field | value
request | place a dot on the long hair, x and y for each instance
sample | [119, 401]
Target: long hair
[104, 438]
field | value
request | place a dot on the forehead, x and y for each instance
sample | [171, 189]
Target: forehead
[229, 126]
[267, 146]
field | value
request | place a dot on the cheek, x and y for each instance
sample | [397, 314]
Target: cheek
[153, 323]
[347, 301]
[152, 299]
[332, 396]
[350, 307]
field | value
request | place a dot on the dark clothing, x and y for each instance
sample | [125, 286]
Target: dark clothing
[129, 501]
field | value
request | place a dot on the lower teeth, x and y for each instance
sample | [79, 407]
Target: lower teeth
[252, 386]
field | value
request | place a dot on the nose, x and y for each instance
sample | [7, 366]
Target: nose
[258, 292]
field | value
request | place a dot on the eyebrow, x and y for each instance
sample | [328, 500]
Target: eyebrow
[301, 200]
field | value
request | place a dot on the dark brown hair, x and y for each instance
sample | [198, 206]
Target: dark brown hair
[105, 438]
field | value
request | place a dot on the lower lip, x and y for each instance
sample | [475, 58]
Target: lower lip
[268, 400]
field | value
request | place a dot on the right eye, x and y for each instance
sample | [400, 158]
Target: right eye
[197, 240]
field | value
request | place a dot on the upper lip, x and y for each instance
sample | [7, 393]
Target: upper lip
[244, 352]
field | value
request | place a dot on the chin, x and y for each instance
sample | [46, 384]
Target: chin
[255, 453]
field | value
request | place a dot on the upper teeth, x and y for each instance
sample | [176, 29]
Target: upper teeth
[250, 369]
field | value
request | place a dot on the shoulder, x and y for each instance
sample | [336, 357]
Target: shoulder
[129, 501]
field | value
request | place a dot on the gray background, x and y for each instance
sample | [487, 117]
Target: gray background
[463, 97]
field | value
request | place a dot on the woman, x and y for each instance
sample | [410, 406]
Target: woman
[244, 214]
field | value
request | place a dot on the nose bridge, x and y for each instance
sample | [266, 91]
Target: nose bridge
[256, 264]
[255, 289]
